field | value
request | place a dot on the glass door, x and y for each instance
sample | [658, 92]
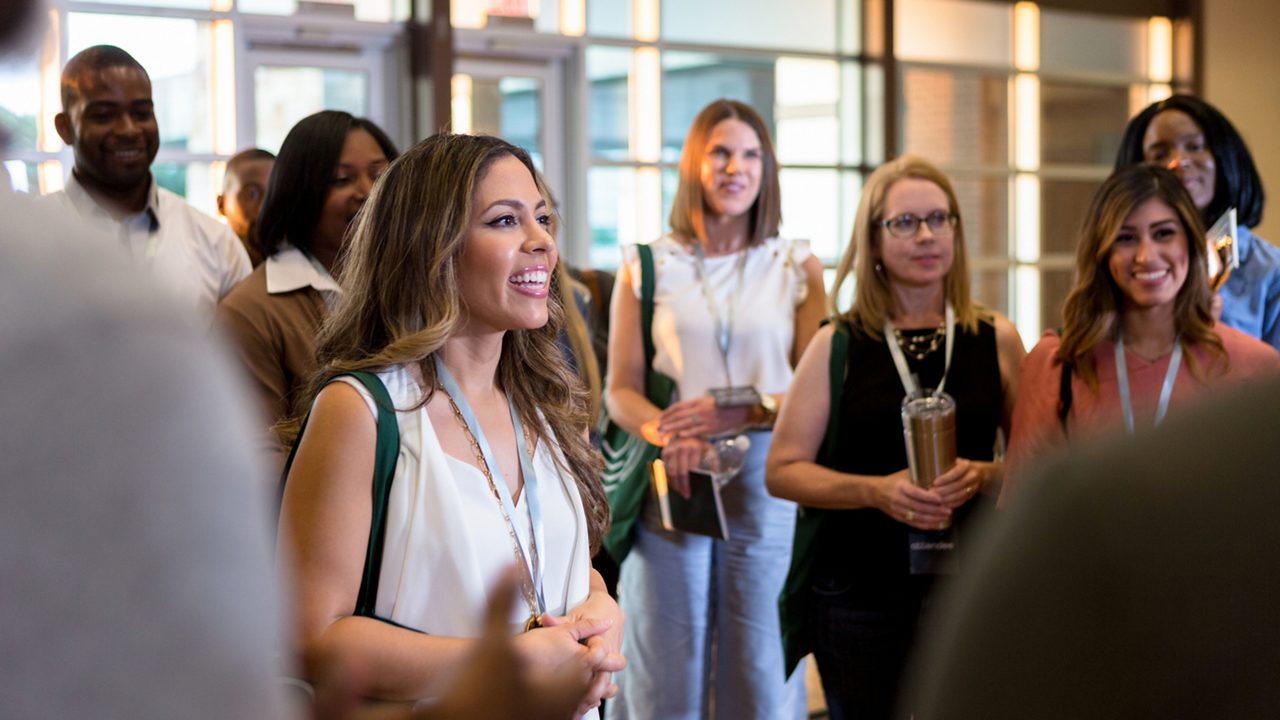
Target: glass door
[519, 102]
[345, 67]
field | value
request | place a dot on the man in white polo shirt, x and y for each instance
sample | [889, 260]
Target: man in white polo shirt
[108, 119]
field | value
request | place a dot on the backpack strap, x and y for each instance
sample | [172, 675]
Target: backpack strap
[386, 453]
[647, 282]
[793, 613]
[1064, 396]
[838, 368]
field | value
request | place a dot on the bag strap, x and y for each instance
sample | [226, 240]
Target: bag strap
[1064, 392]
[647, 281]
[1064, 396]
[386, 453]
[838, 368]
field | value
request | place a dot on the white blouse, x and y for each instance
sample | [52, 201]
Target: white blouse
[763, 330]
[446, 542]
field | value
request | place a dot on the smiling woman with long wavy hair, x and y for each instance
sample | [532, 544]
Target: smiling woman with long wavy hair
[448, 302]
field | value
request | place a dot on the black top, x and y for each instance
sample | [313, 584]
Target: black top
[866, 548]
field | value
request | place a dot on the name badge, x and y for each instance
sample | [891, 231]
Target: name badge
[735, 396]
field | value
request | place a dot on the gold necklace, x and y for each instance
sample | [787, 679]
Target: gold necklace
[920, 346]
[526, 577]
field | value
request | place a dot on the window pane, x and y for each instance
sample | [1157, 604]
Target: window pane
[850, 195]
[23, 176]
[176, 53]
[984, 206]
[609, 18]
[508, 107]
[608, 70]
[753, 23]
[284, 95]
[954, 31]
[1054, 287]
[20, 104]
[991, 288]
[611, 213]
[691, 80]
[851, 109]
[956, 118]
[1081, 124]
[1063, 206]
[873, 115]
[194, 181]
[1080, 42]
[670, 183]
[811, 208]
[807, 99]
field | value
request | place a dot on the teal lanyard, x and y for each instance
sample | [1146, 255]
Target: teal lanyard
[1166, 390]
[533, 570]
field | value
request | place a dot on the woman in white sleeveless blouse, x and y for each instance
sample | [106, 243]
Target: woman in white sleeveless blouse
[448, 300]
[735, 305]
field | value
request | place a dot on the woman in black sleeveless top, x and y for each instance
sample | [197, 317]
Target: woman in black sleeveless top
[862, 600]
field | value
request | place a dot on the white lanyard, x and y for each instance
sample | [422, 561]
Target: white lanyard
[724, 326]
[900, 360]
[1166, 390]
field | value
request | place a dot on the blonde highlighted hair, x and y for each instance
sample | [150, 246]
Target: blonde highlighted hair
[873, 301]
[1092, 311]
[402, 300]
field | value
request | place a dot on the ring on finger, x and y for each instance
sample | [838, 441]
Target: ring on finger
[911, 515]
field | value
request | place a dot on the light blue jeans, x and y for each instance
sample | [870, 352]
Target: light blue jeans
[701, 637]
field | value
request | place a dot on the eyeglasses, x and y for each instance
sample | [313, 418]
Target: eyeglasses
[906, 225]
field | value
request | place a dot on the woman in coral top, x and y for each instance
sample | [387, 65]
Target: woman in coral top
[1138, 339]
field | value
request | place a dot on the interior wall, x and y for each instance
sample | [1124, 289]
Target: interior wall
[1241, 64]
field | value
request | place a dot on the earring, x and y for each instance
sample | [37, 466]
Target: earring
[879, 267]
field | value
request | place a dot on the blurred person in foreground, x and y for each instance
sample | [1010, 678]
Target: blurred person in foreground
[1200, 145]
[1138, 338]
[912, 327]
[108, 119]
[327, 166]
[449, 305]
[243, 186]
[1133, 579]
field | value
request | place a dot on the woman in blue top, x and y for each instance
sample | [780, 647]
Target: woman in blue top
[1198, 143]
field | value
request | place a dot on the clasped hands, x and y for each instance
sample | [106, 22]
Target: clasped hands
[682, 430]
[931, 509]
[588, 637]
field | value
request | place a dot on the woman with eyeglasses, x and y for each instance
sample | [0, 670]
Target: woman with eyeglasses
[1200, 145]
[912, 327]
[1138, 339]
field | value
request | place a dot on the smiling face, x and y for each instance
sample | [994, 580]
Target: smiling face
[1173, 140]
[731, 168]
[508, 255]
[924, 259]
[1148, 256]
[359, 166]
[111, 127]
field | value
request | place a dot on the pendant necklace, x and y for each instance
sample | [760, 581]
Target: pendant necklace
[530, 568]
